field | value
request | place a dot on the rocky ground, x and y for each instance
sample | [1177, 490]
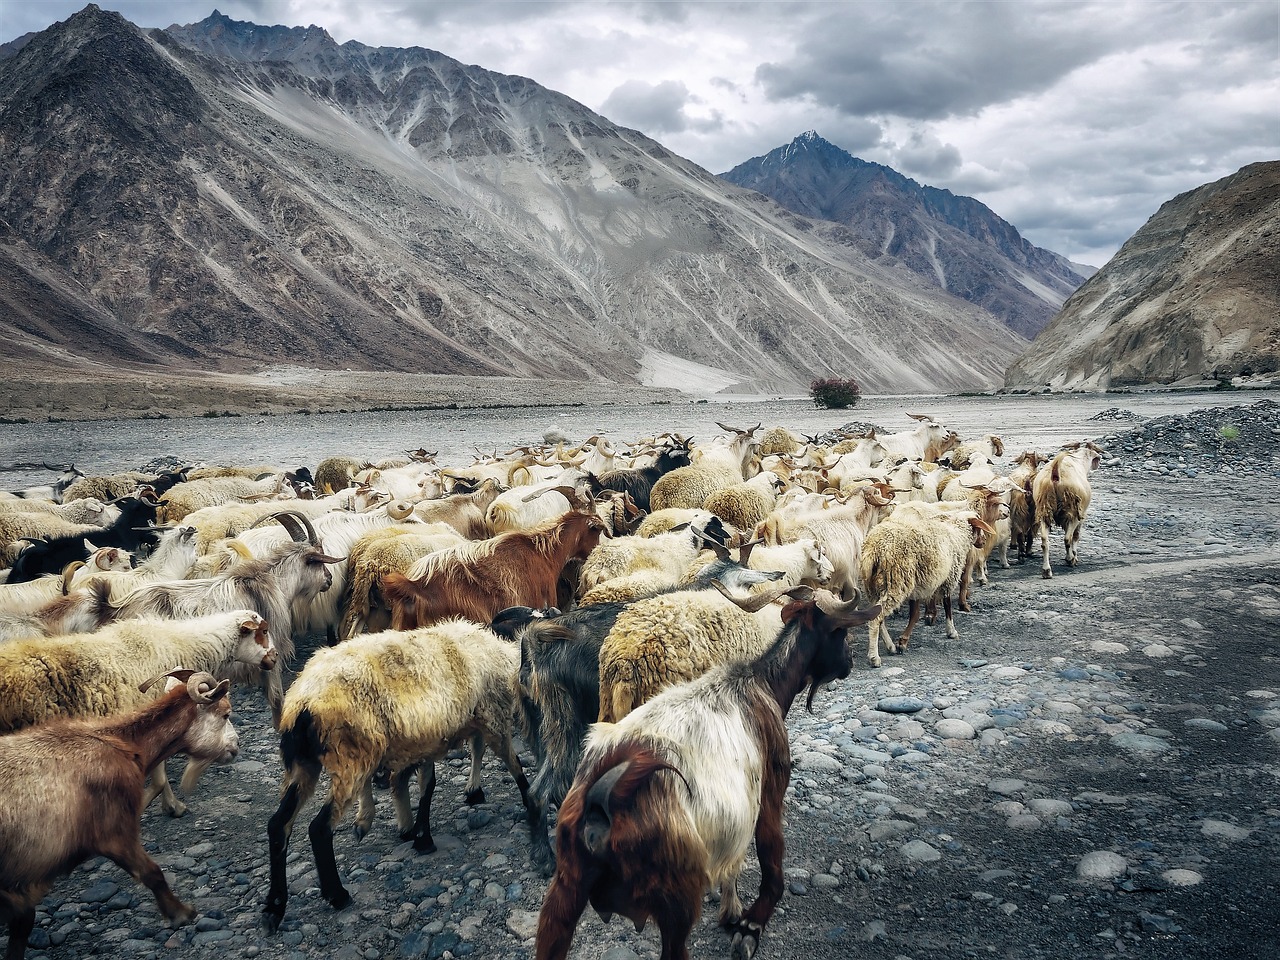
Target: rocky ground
[1090, 771]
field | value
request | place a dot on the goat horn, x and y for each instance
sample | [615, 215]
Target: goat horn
[299, 527]
[399, 510]
[205, 688]
[758, 601]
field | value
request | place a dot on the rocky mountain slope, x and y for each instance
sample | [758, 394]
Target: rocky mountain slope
[1194, 294]
[954, 243]
[223, 195]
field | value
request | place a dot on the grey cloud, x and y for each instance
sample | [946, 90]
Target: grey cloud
[656, 108]
[925, 155]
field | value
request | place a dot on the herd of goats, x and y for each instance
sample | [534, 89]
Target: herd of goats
[641, 618]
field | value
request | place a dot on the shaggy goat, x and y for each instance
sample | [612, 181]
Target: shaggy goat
[72, 790]
[658, 811]
[477, 580]
[394, 699]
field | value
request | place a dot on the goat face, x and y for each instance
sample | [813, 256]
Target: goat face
[255, 645]
[211, 736]
[316, 578]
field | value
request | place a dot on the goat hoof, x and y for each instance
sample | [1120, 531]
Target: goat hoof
[424, 845]
[340, 899]
[474, 796]
[183, 916]
[271, 920]
[965, 608]
[544, 863]
[874, 661]
[360, 831]
[382, 778]
[178, 809]
[746, 940]
[1047, 574]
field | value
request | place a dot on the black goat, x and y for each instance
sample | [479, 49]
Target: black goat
[560, 685]
[134, 530]
[640, 480]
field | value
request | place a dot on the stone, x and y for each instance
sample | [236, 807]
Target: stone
[955, 730]
[100, 892]
[818, 762]
[1156, 650]
[1006, 786]
[900, 705]
[1181, 878]
[522, 923]
[1007, 673]
[1223, 830]
[919, 852]
[1101, 865]
[1108, 646]
[1042, 807]
[1140, 744]
[1202, 723]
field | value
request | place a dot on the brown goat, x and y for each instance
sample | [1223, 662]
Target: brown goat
[668, 799]
[72, 789]
[475, 581]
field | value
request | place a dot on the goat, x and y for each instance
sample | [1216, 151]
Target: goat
[133, 530]
[399, 699]
[477, 580]
[913, 555]
[71, 790]
[292, 572]
[1061, 494]
[638, 482]
[635, 841]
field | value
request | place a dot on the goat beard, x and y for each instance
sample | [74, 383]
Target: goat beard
[816, 682]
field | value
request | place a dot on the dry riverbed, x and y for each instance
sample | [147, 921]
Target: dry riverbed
[1090, 771]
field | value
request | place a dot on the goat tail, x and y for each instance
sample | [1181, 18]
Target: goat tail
[300, 742]
[607, 801]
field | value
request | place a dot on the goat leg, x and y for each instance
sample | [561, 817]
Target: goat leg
[321, 833]
[475, 793]
[770, 847]
[504, 748]
[558, 919]
[20, 926]
[159, 787]
[420, 834]
[279, 828]
[913, 617]
[130, 856]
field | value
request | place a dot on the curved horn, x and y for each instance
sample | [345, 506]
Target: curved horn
[205, 688]
[399, 510]
[299, 527]
[759, 601]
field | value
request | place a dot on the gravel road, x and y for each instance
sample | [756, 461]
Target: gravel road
[1090, 771]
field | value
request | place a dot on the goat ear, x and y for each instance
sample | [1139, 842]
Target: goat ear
[597, 818]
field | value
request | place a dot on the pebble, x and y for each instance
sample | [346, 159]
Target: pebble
[1101, 865]
[955, 730]
[1140, 743]
[1006, 787]
[1226, 831]
[1203, 723]
[920, 852]
[1181, 878]
[900, 705]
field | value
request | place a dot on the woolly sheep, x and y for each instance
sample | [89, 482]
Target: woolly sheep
[1061, 493]
[914, 556]
[672, 637]
[743, 505]
[399, 699]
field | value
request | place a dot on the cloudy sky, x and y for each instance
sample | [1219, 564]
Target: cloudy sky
[1072, 120]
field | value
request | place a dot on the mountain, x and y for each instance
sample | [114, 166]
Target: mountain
[225, 196]
[1194, 294]
[956, 244]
